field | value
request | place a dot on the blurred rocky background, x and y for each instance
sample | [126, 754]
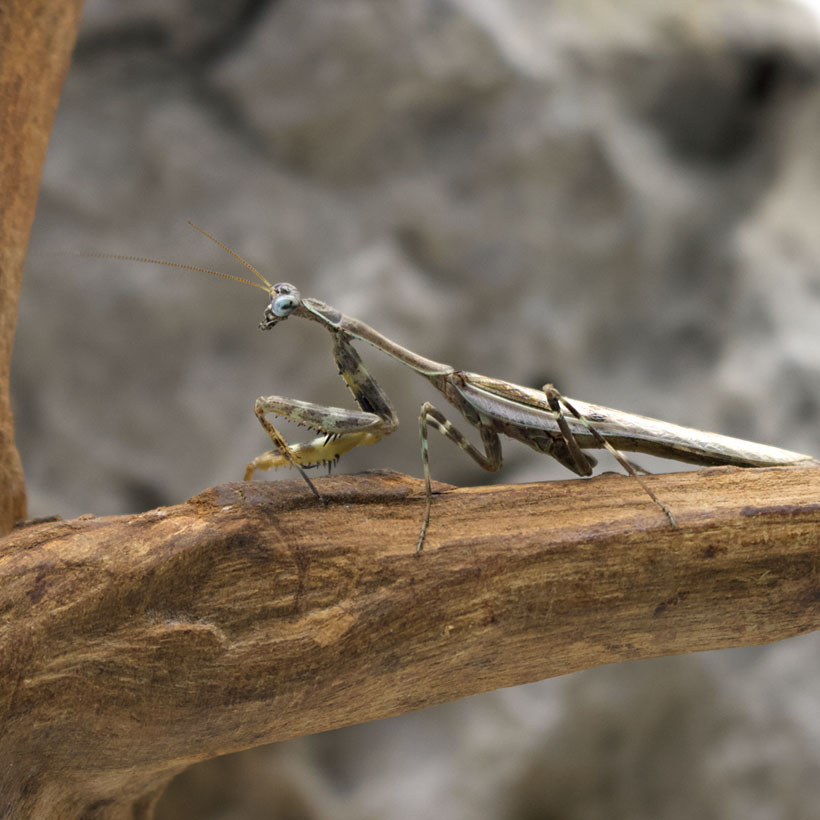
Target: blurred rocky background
[620, 198]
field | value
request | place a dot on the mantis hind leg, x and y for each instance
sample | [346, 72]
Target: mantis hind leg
[490, 459]
[555, 400]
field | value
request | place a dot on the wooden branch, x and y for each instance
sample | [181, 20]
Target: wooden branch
[133, 646]
[36, 38]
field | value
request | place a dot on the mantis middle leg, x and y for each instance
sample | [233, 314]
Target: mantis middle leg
[490, 459]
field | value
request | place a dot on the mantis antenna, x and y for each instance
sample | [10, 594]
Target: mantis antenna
[236, 256]
[167, 264]
[267, 287]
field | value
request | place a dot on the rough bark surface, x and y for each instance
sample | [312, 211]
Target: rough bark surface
[36, 38]
[132, 646]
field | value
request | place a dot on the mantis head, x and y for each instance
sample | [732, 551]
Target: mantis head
[284, 299]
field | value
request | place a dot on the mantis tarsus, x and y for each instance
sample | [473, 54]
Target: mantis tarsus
[544, 420]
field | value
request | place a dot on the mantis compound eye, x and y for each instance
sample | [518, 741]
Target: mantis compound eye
[281, 306]
[284, 299]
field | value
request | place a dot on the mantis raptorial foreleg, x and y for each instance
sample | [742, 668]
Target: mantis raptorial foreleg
[490, 459]
[341, 429]
[555, 400]
[283, 453]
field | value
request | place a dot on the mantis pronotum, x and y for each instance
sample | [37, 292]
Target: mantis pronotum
[544, 420]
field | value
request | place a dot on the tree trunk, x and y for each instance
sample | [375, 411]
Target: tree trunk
[36, 38]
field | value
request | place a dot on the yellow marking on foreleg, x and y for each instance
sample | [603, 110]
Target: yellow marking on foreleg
[308, 454]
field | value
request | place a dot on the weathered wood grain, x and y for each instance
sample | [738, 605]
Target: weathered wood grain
[133, 646]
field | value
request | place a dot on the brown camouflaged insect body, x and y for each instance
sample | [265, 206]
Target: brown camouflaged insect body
[544, 420]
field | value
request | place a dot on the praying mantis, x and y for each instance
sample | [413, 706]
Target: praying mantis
[545, 420]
